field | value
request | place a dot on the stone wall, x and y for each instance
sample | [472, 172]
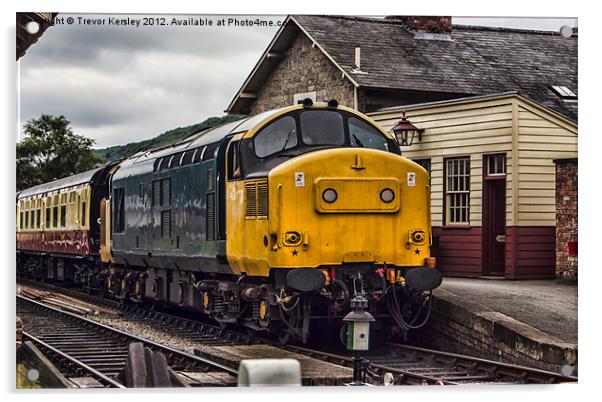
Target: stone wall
[566, 218]
[459, 326]
[303, 69]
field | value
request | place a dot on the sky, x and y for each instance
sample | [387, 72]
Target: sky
[124, 83]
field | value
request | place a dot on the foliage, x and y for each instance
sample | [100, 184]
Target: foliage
[50, 151]
[168, 137]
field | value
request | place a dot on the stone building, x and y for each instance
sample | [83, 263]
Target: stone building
[374, 63]
[566, 219]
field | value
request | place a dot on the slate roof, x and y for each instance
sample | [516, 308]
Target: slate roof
[475, 61]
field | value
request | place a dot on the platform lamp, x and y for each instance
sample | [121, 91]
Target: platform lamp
[358, 334]
[405, 132]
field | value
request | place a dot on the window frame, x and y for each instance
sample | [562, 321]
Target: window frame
[446, 193]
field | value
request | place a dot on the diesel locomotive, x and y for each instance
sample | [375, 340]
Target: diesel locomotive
[274, 222]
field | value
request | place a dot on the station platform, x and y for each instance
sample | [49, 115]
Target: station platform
[529, 322]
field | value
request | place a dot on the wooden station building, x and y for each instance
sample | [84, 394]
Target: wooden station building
[493, 184]
[498, 107]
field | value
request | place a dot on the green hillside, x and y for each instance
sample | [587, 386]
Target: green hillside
[168, 137]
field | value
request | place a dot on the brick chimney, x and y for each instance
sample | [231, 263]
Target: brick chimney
[425, 24]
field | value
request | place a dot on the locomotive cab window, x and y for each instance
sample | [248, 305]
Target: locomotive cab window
[276, 137]
[365, 136]
[322, 127]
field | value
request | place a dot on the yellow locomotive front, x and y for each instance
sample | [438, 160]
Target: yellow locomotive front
[321, 209]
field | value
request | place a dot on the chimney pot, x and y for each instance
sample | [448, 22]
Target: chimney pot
[358, 57]
[425, 24]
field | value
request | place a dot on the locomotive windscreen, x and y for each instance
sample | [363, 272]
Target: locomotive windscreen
[303, 131]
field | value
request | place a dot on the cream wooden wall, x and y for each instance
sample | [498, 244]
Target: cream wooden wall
[486, 126]
[542, 137]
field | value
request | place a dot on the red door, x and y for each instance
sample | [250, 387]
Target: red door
[494, 215]
[497, 227]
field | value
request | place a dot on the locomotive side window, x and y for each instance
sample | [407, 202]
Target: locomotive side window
[197, 155]
[175, 160]
[187, 158]
[164, 165]
[209, 152]
[322, 127]
[278, 136]
[365, 136]
[234, 160]
[118, 210]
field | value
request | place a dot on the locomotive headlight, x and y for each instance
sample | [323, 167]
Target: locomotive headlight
[418, 236]
[387, 195]
[329, 195]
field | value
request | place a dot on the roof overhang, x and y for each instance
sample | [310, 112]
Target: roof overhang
[268, 61]
[473, 99]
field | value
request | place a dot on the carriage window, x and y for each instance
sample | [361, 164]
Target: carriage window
[365, 136]
[84, 213]
[47, 217]
[21, 220]
[63, 215]
[55, 217]
[278, 136]
[322, 127]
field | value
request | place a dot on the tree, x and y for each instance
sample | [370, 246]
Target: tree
[50, 151]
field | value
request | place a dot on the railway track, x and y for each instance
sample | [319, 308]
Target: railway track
[81, 347]
[407, 365]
